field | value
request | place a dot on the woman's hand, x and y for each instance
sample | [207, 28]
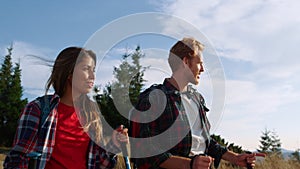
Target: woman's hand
[120, 135]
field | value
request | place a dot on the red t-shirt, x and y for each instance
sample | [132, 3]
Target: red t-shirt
[71, 142]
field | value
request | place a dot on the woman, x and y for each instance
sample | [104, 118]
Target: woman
[70, 134]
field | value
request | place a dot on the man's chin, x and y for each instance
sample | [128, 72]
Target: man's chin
[195, 82]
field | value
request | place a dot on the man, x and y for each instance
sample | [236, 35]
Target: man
[169, 124]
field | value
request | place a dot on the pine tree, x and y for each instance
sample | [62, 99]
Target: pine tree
[275, 143]
[119, 96]
[265, 141]
[11, 101]
[231, 146]
[270, 142]
[5, 80]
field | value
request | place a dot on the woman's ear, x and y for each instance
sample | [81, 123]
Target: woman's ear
[70, 79]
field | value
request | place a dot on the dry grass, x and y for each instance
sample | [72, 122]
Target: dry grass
[276, 162]
[270, 162]
[2, 157]
[3, 151]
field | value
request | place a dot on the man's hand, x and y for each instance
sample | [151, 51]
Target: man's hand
[202, 162]
[244, 159]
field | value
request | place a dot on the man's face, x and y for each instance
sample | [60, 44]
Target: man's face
[195, 65]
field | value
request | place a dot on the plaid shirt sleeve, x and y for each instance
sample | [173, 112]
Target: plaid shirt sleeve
[216, 150]
[101, 158]
[25, 138]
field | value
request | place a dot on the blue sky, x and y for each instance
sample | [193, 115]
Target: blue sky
[256, 41]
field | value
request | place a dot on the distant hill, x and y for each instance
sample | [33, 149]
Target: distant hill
[286, 153]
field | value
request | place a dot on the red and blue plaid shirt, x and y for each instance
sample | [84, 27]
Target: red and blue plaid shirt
[161, 123]
[29, 139]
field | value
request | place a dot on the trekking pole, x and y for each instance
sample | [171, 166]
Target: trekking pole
[249, 166]
[126, 152]
[255, 154]
[127, 163]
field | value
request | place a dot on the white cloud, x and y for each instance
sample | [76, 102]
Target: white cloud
[264, 35]
[250, 97]
[237, 26]
[250, 107]
[157, 61]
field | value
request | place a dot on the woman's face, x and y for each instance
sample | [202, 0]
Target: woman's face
[83, 77]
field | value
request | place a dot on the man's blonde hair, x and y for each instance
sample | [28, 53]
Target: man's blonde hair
[187, 47]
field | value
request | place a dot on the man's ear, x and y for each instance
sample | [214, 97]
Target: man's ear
[185, 60]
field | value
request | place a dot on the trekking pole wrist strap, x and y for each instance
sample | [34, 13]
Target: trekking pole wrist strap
[192, 161]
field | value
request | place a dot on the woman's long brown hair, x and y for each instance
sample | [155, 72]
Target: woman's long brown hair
[89, 114]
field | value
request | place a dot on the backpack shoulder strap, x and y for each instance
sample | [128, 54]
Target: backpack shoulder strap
[45, 108]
